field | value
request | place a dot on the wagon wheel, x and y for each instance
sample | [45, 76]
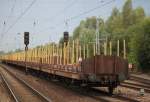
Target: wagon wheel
[110, 89]
[67, 81]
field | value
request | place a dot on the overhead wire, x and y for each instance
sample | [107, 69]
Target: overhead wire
[21, 15]
[7, 20]
[90, 10]
[70, 19]
[60, 13]
[81, 14]
[63, 10]
[57, 14]
[3, 29]
[12, 9]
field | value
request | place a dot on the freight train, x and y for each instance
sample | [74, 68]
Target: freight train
[75, 62]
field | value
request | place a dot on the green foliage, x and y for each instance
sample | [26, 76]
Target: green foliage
[2, 52]
[18, 50]
[138, 15]
[127, 14]
[76, 32]
[140, 44]
[143, 54]
[90, 23]
[85, 32]
[129, 24]
[61, 40]
[135, 38]
[114, 24]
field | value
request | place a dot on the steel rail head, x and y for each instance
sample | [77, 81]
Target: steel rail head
[120, 97]
[143, 80]
[126, 98]
[30, 87]
[135, 87]
[9, 88]
[37, 92]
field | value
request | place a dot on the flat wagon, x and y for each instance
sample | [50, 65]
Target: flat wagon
[92, 71]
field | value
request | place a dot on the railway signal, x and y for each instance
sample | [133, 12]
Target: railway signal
[66, 37]
[26, 42]
[26, 38]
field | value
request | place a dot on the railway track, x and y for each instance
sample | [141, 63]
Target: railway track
[137, 83]
[139, 79]
[115, 96]
[136, 86]
[103, 96]
[9, 88]
[20, 90]
[97, 94]
[5, 94]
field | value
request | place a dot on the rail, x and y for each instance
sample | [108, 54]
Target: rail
[9, 88]
[46, 99]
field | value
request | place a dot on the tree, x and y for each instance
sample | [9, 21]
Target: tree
[138, 15]
[61, 40]
[140, 44]
[114, 24]
[18, 50]
[134, 40]
[144, 46]
[90, 23]
[2, 52]
[76, 32]
[109, 22]
[129, 24]
[127, 14]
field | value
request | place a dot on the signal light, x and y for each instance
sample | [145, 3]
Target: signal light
[66, 37]
[26, 38]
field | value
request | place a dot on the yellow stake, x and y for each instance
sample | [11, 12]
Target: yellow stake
[46, 54]
[50, 54]
[57, 54]
[42, 54]
[68, 52]
[61, 53]
[77, 51]
[105, 48]
[53, 62]
[118, 48]
[124, 47]
[84, 51]
[80, 51]
[110, 49]
[73, 52]
[64, 53]
[87, 48]
[94, 49]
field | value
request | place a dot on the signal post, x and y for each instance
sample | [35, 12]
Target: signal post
[26, 42]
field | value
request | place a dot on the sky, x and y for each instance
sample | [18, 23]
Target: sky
[46, 19]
